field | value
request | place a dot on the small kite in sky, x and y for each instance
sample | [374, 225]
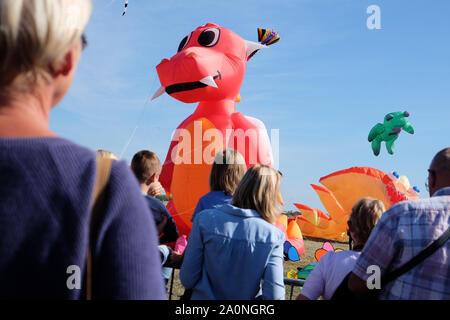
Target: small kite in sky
[388, 131]
[126, 7]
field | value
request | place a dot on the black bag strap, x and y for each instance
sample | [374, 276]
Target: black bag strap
[343, 293]
[425, 253]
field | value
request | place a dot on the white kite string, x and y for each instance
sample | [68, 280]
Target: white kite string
[141, 116]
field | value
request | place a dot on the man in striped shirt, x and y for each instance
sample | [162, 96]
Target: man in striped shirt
[404, 231]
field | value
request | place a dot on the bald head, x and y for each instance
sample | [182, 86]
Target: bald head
[439, 172]
[441, 161]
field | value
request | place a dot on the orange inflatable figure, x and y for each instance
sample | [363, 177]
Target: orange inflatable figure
[209, 68]
[342, 189]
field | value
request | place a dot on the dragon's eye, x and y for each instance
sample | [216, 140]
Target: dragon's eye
[184, 42]
[209, 37]
[389, 118]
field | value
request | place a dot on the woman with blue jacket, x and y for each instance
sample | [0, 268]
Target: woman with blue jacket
[226, 172]
[235, 251]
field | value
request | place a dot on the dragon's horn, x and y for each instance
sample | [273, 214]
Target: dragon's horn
[265, 37]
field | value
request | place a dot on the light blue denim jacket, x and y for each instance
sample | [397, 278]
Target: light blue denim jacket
[233, 253]
[210, 200]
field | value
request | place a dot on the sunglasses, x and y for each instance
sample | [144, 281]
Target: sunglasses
[84, 41]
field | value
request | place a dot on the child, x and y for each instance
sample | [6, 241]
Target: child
[335, 266]
[147, 167]
[227, 170]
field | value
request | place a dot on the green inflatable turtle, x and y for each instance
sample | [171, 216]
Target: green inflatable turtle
[388, 131]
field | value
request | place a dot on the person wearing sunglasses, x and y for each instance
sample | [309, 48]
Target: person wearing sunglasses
[410, 245]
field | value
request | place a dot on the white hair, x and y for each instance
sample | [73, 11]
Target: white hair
[35, 36]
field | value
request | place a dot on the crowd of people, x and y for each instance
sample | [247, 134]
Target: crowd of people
[50, 188]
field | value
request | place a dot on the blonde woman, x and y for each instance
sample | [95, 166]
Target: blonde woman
[235, 251]
[226, 172]
[335, 266]
[44, 231]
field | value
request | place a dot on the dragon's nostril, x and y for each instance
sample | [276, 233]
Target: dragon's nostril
[406, 114]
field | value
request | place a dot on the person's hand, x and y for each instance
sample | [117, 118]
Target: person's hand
[175, 260]
[155, 189]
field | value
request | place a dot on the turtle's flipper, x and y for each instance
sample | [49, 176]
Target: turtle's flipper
[376, 146]
[408, 128]
[390, 146]
[376, 131]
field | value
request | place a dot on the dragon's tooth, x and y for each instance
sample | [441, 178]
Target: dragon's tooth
[209, 81]
[159, 92]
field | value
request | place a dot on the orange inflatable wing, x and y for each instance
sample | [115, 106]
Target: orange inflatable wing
[350, 185]
[306, 227]
[309, 230]
[308, 213]
[342, 190]
[330, 203]
[317, 224]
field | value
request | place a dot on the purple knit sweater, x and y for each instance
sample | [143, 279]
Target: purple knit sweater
[45, 190]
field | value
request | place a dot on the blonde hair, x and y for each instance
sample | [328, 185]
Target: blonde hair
[258, 190]
[365, 215]
[107, 155]
[227, 171]
[35, 36]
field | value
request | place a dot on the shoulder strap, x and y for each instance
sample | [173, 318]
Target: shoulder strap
[425, 253]
[97, 205]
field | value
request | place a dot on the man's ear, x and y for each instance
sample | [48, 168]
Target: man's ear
[431, 178]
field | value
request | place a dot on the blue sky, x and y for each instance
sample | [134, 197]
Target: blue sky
[324, 85]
